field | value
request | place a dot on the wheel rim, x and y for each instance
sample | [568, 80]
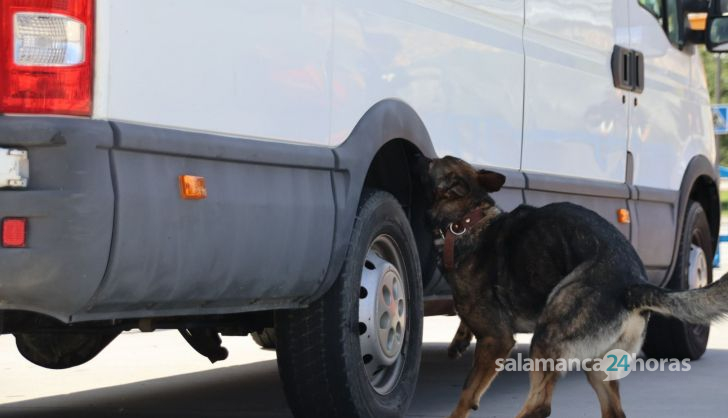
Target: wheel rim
[698, 276]
[383, 313]
[697, 268]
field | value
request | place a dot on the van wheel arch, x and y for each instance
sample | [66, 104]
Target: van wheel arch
[700, 184]
[392, 170]
[378, 153]
[705, 192]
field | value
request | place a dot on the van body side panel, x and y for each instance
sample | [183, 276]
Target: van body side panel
[668, 126]
[656, 220]
[575, 120]
[670, 123]
[263, 234]
[458, 64]
[249, 69]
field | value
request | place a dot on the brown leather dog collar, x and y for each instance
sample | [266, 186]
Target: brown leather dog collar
[453, 231]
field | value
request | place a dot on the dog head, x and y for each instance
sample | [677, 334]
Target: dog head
[456, 188]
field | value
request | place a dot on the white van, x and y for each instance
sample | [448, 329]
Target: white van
[230, 166]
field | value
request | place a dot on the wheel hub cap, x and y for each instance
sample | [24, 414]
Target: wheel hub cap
[382, 314]
[698, 268]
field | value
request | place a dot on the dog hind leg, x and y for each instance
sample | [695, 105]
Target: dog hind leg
[487, 351]
[543, 378]
[460, 342]
[632, 335]
[538, 403]
[608, 394]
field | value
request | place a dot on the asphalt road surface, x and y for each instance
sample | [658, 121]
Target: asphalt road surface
[158, 375]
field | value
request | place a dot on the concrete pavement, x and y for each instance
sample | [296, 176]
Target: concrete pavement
[157, 375]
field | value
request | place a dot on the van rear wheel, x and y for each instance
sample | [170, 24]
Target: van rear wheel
[668, 337]
[356, 351]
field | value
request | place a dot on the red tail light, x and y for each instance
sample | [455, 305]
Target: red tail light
[14, 232]
[46, 56]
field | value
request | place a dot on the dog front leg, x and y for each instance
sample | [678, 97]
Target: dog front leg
[460, 341]
[487, 351]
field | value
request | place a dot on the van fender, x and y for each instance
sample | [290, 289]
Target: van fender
[386, 120]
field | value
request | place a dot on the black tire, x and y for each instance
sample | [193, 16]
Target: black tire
[668, 337]
[320, 357]
[265, 338]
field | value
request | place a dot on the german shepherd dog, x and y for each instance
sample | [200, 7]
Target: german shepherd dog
[561, 272]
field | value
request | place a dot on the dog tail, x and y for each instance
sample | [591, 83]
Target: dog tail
[696, 306]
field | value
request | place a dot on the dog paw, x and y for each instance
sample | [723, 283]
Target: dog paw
[540, 412]
[459, 414]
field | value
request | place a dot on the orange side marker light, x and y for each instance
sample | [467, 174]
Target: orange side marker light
[192, 187]
[623, 216]
[697, 21]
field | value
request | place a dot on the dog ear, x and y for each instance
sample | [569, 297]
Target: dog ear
[490, 180]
